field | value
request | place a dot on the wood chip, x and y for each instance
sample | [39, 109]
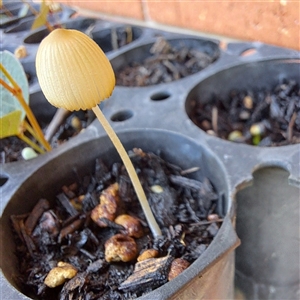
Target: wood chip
[150, 272]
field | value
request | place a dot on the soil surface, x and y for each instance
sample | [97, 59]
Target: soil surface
[75, 238]
[11, 147]
[164, 64]
[255, 117]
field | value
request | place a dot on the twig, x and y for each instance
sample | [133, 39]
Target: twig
[206, 222]
[190, 170]
[214, 119]
[114, 39]
[59, 117]
[290, 127]
[35, 214]
[129, 34]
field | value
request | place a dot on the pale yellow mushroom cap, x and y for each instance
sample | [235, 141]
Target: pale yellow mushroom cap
[73, 71]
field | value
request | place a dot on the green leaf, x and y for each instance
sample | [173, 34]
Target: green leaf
[41, 19]
[11, 111]
[10, 124]
[9, 102]
[23, 11]
[3, 18]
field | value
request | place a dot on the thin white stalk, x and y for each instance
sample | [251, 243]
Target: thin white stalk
[131, 172]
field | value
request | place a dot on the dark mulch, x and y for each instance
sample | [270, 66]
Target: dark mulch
[11, 147]
[256, 117]
[62, 230]
[164, 64]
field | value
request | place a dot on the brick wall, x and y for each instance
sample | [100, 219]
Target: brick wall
[271, 21]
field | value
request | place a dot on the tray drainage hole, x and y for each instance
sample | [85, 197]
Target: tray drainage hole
[3, 180]
[122, 116]
[160, 96]
[248, 52]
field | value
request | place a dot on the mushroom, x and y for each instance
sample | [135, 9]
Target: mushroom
[75, 74]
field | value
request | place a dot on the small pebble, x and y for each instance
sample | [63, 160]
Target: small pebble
[157, 189]
[234, 135]
[28, 153]
[76, 123]
[20, 52]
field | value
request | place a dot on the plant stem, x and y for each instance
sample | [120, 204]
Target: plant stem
[36, 13]
[131, 172]
[17, 92]
[6, 11]
[32, 132]
[39, 134]
[9, 88]
[28, 141]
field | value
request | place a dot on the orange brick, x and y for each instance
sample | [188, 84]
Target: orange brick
[129, 9]
[274, 22]
[271, 21]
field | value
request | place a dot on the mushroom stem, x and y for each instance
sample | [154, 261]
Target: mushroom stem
[131, 172]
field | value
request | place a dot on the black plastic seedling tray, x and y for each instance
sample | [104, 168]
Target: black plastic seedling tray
[259, 185]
